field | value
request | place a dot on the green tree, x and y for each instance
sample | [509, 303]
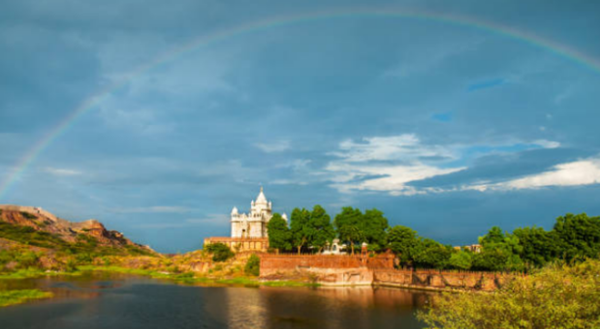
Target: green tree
[461, 260]
[538, 246]
[578, 236]
[300, 228]
[347, 226]
[490, 260]
[402, 240]
[320, 227]
[429, 253]
[373, 225]
[280, 235]
[350, 234]
[499, 247]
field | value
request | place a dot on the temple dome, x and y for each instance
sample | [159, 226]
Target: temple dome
[261, 197]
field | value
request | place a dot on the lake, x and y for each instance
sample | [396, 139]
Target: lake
[103, 300]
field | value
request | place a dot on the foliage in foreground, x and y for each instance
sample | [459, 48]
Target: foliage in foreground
[558, 296]
[12, 297]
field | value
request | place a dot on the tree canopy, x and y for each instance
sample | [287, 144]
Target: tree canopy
[279, 233]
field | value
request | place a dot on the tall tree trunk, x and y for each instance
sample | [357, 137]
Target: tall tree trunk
[352, 247]
[299, 247]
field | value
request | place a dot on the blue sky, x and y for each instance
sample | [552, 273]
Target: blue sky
[448, 128]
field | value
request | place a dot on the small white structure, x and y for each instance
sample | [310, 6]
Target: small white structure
[253, 224]
[335, 248]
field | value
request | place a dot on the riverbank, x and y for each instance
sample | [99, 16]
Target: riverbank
[13, 297]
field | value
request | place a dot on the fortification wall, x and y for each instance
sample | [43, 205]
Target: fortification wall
[324, 269]
[439, 279]
[365, 270]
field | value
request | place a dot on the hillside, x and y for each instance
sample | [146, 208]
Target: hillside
[40, 230]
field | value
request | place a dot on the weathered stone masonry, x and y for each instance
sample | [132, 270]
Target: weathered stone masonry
[379, 270]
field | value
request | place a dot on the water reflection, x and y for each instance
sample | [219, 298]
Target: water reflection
[333, 308]
[114, 301]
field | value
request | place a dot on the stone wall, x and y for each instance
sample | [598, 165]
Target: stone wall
[325, 269]
[365, 270]
[439, 279]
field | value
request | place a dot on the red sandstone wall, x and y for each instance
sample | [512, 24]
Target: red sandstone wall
[270, 263]
[439, 279]
[361, 269]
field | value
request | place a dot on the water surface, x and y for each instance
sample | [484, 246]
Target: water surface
[119, 301]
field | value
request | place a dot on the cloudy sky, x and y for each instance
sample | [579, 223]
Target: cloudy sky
[157, 117]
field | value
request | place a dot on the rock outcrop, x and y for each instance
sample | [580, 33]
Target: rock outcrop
[43, 221]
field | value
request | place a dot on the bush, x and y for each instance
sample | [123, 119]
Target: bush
[28, 215]
[252, 266]
[220, 251]
[558, 297]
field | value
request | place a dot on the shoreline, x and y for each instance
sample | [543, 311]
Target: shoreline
[187, 278]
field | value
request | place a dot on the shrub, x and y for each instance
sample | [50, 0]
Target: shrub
[558, 296]
[220, 251]
[252, 266]
[28, 215]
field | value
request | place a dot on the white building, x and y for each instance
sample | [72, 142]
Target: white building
[253, 224]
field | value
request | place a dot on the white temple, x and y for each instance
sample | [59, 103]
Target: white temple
[253, 224]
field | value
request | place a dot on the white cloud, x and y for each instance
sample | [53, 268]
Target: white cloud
[392, 178]
[360, 166]
[389, 163]
[63, 171]
[584, 172]
[277, 146]
[401, 147]
[546, 143]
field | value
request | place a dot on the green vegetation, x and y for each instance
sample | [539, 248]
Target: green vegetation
[252, 266]
[86, 246]
[300, 228]
[28, 235]
[220, 251]
[12, 297]
[573, 237]
[558, 296]
[280, 235]
[28, 215]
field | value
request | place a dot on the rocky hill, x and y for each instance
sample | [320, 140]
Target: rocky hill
[35, 227]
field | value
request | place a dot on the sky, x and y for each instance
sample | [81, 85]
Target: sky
[157, 117]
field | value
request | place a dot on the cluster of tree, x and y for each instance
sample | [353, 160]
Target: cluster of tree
[313, 230]
[572, 237]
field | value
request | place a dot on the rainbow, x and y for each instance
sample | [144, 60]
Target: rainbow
[558, 49]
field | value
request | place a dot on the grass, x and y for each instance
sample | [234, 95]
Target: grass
[12, 297]
[34, 273]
